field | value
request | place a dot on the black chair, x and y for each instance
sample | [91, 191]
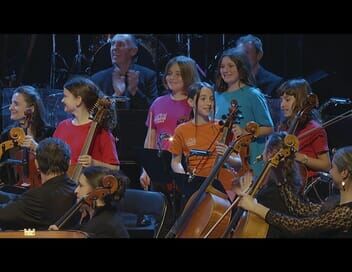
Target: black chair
[143, 212]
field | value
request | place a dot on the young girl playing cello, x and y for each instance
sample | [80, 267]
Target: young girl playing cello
[201, 133]
[80, 95]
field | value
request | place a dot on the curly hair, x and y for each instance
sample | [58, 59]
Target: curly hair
[32, 99]
[289, 165]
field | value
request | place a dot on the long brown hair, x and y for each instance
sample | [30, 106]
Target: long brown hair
[241, 61]
[85, 88]
[194, 92]
[32, 99]
[290, 167]
[299, 89]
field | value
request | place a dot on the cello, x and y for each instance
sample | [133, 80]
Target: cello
[242, 148]
[298, 121]
[207, 204]
[226, 174]
[109, 185]
[17, 136]
[98, 116]
[250, 225]
[30, 176]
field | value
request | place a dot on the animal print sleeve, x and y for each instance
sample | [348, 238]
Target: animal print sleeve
[340, 218]
[295, 204]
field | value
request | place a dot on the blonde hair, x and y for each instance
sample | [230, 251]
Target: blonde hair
[343, 159]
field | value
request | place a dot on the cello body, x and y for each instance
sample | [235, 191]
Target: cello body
[209, 210]
[28, 176]
[251, 226]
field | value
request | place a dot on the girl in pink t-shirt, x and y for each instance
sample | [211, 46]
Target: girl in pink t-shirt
[170, 110]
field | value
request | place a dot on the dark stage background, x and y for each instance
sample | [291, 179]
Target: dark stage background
[26, 58]
[323, 58]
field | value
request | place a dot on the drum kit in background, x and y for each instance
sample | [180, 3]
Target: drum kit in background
[319, 188]
[151, 53]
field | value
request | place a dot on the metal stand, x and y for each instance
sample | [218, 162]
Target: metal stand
[56, 74]
[52, 79]
[223, 41]
[188, 45]
[77, 65]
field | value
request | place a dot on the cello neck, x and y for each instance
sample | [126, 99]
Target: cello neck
[62, 220]
[85, 149]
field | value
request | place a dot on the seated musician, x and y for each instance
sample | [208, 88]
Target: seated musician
[329, 219]
[313, 148]
[269, 195]
[100, 220]
[40, 207]
[24, 99]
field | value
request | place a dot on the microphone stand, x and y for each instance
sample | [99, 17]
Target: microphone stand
[77, 66]
[223, 41]
[53, 63]
[188, 45]
[180, 223]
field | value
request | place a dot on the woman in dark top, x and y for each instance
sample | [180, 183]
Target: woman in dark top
[269, 195]
[330, 219]
[102, 219]
[25, 101]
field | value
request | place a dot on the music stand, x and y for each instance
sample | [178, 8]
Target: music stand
[157, 164]
[11, 188]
